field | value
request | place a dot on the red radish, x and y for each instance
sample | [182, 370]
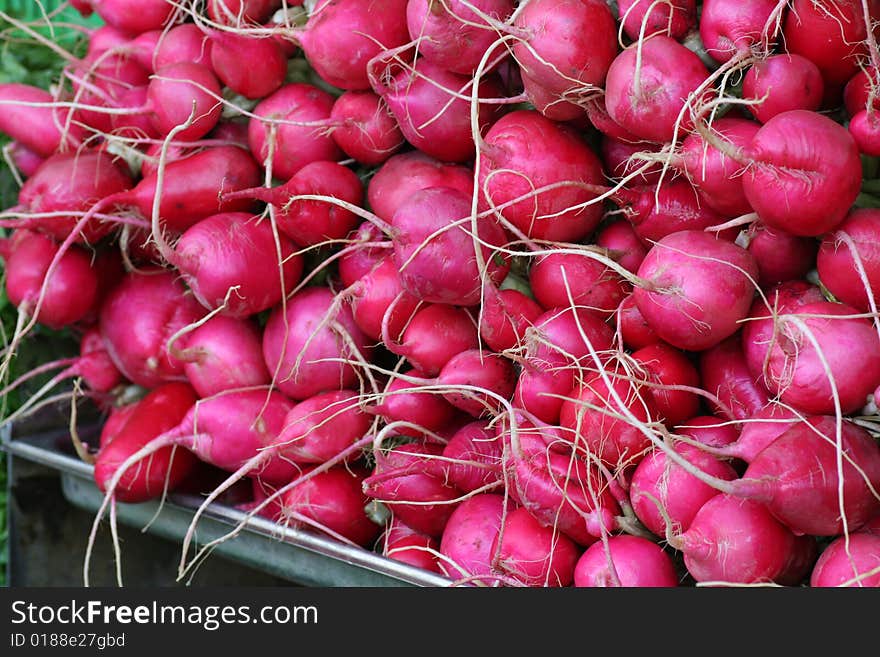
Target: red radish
[558, 279]
[480, 369]
[405, 402]
[313, 222]
[846, 252]
[617, 156]
[242, 12]
[709, 430]
[25, 160]
[659, 481]
[159, 411]
[865, 130]
[505, 316]
[798, 477]
[105, 37]
[180, 90]
[182, 43]
[94, 364]
[809, 344]
[115, 420]
[596, 421]
[454, 36]
[420, 97]
[648, 100]
[858, 93]
[222, 354]
[623, 244]
[150, 14]
[364, 253]
[698, 288]
[152, 153]
[467, 542]
[332, 502]
[635, 332]
[628, 561]
[475, 453]
[233, 56]
[759, 431]
[815, 179]
[72, 287]
[524, 152]
[72, 182]
[304, 342]
[674, 206]
[666, 366]
[542, 390]
[301, 111]
[838, 26]
[41, 129]
[408, 546]
[354, 27]
[433, 336]
[725, 374]
[138, 318]
[364, 128]
[734, 540]
[567, 47]
[406, 480]
[675, 18]
[533, 554]
[733, 27]
[713, 173]
[567, 336]
[321, 427]
[781, 83]
[245, 280]
[191, 185]
[852, 560]
[372, 297]
[404, 174]
[780, 256]
[435, 247]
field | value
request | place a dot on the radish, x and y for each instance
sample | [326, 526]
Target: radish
[524, 152]
[182, 43]
[589, 282]
[364, 128]
[405, 480]
[312, 222]
[541, 390]
[404, 401]
[467, 542]
[24, 159]
[70, 291]
[222, 354]
[725, 374]
[475, 453]
[662, 492]
[239, 281]
[635, 332]
[675, 18]
[150, 14]
[617, 155]
[452, 34]
[333, 503]
[367, 248]
[566, 48]
[377, 293]
[647, 100]
[533, 554]
[731, 27]
[157, 412]
[304, 342]
[759, 431]
[816, 358]
[408, 546]
[567, 336]
[481, 370]
[301, 112]
[181, 90]
[72, 182]
[435, 248]
[852, 560]
[138, 318]
[43, 128]
[669, 368]
[406, 173]
[628, 561]
[434, 120]
[781, 83]
[865, 130]
[848, 261]
[321, 427]
[361, 29]
[623, 244]
[505, 317]
[780, 256]
[698, 288]
[432, 336]
[242, 12]
[232, 57]
[709, 430]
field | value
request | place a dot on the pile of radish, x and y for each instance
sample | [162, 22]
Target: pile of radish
[536, 293]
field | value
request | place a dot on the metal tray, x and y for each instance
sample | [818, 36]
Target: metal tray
[300, 556]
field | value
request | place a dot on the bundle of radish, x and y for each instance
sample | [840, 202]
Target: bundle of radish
[522, 293]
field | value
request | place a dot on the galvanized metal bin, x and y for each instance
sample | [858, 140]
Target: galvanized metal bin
[299, 556]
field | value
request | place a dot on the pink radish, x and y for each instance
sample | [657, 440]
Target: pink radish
[558, 279]
[629, 561]
[725, 374]
[364, 127]
[535, 555]
[674, 18]
[433, 335]
[467, 540]
[475, 453]
[846, 252]
[780, 83]
[849, 561]
[506, 314]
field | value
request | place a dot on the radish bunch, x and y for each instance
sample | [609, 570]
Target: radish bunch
[521, 293]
